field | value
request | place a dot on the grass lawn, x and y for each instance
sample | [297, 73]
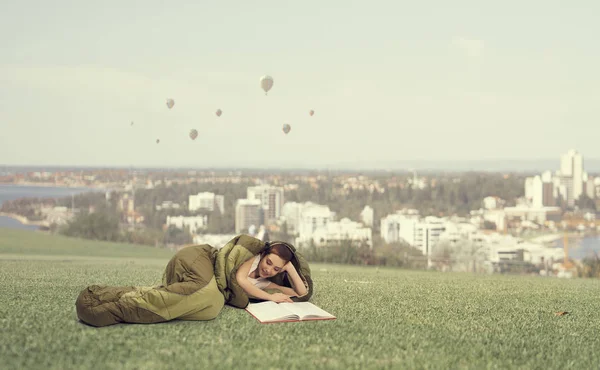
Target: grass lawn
[387, 318]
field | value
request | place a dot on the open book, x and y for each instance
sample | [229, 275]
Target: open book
[269, 312]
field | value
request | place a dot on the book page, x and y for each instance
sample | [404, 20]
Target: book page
[270, 311]
[306, 310]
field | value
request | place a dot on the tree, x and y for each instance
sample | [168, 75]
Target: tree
[489, 225]
[585, 202]
[177, 236]
[103, 224]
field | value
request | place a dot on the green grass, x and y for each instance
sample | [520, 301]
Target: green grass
[29, 243]
[399, 319]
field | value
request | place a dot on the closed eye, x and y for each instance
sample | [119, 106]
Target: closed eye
[270, 263]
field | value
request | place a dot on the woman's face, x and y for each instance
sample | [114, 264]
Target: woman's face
[270, 265]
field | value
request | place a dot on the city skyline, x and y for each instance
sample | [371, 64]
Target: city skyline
[388, 82]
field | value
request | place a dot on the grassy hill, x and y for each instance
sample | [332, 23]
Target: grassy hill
[22, 242]
[387, 318]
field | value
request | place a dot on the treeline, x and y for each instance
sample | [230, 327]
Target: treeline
[147, 199]
[104, 223]
[451, 195]
[394, 255]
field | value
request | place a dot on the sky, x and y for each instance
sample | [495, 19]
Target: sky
[388, 81]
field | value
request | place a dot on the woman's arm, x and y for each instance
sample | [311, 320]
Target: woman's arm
[285, 290]
[297, 283]
[250, 289]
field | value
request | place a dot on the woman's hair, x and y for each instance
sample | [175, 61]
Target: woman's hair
[281, 249]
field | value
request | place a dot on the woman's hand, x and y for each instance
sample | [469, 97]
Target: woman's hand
[280, 297]
[288, 267]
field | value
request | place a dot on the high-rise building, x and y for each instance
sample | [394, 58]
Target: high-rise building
[571, 172]
[271, 198]
[248, 212]
[206, 200]
[590, 189]
[548, 197]
[529, 188]
[537, 197]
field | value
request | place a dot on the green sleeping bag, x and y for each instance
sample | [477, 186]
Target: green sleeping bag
[197, 282]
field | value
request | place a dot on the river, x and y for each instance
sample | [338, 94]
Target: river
[579, 248]
[11, 192]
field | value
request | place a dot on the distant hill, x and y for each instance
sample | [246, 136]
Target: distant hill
[489, 165]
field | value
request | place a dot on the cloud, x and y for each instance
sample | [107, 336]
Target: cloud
[473, 48]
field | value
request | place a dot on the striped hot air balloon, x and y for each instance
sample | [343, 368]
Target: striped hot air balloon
[193, 134]
[170, 103]
[286, 128]
[219, 112]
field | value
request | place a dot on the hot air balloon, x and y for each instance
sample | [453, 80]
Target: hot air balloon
[219, 112]
[131, 123]
[193, 134]
[170, 103]
[312, 112]
[286, 128]
[266, 83]
[157, 141]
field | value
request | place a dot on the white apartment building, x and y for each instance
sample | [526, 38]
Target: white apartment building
[338, 231]
[399, 226]
[421, 234]
[248, 212]
[493, 203]
[313, 216]
[271, 198]
[208, 201]
[366, 216]
[291, 214]
[427, 234]
[194, 223]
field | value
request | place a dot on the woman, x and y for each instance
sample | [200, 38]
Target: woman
[253, 274]
[199, 280]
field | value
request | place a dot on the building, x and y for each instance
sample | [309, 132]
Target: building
[493, 203]
[399, 226]
[248, 212]
[590, 187]
[536, 214]
[548, 192]
[427, 234]
[207, 201]
[313, 217]
[193, 223]
[597, 191]
[563, 189]
[291, 214]
[271, 198]
[366, 216]
[337, 232]
[571, 169]
[167, 204]
[422, 234]
[497, 216]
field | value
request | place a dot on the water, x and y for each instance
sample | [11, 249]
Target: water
[583, 247]
[11, 192]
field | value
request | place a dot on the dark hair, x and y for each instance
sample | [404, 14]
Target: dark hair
[279, 248]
